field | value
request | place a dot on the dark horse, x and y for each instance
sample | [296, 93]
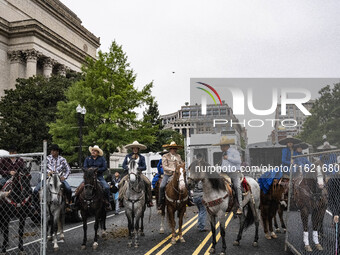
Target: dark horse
[269, 204]
[311, 198]
[218, 197]
[176, 196]
[134, 202]
[91, 200]
[16, 205]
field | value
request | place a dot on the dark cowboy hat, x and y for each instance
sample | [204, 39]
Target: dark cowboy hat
[289, 139]
[55, 147]
[301, 145]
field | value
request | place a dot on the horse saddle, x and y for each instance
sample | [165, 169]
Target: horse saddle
[245, 187]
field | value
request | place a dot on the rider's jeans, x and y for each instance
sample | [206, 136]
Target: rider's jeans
[235, 178]
[105, 186]
[162, 187]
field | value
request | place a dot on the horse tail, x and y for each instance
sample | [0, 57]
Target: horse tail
[250, 219]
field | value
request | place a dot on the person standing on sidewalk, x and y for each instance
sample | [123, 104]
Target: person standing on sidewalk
[202, 212]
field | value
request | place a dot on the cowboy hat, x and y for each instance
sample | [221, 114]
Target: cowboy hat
[301, 145]
[136, 144]
[55, 147]
[172, 145]
[289, 139]
[326, 146]
[96, 147]
[225, 141]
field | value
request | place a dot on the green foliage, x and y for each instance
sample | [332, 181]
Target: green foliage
[325, 118]
[26, 110]
[110, 98]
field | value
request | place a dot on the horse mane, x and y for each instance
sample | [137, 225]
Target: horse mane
[215, 179]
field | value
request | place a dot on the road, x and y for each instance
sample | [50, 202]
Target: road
[155, 243]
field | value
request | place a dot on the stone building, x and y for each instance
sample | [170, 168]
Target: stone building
[41, 37]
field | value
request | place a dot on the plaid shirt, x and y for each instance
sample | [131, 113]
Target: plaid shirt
[7, 165]
[58, 165]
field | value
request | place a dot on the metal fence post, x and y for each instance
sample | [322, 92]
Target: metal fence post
[289, 198]
[43, 206]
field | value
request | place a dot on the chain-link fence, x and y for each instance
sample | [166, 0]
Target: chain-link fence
[313, 201]
[22, 209]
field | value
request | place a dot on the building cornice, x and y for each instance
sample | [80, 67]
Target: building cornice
[69, 18]
[35, 28]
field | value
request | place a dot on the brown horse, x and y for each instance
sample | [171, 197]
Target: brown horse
[176, 196]
[269, 204]
[282, 206]
[311, 198]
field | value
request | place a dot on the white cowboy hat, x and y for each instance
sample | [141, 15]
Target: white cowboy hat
[172, 145]
[225, 141]
[165, 151]
[96, 147]
[135, 144]
[289, 139]
[326, 146]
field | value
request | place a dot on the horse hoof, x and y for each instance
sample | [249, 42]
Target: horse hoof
[182, 240]
[319, 247]
[212, 250]
[267, 236]
[95, 246]
[222, 253]
[284, 230]
[308, 248]
[136, 245]
[55, 248]
[130, 244]
[273, 235]
[83, 247]
[161, 231]
[236, 243]
[255, 244]
[278, 230]
[173, 240]
[159, 212]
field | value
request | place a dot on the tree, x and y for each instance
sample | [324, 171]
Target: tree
[325, 118]
[110, 98]
[26, 110]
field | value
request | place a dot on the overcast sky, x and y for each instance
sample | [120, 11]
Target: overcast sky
[216, 39]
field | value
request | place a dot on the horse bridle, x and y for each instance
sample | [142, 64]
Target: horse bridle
[59, 193]
[92, 187]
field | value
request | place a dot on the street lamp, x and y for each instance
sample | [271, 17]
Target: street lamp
[81, 114]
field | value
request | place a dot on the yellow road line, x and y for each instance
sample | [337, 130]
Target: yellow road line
[168, 245]
[199, 248]
[219, 234]
[168, 237]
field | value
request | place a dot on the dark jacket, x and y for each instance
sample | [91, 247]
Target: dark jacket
[141, 163]
[99, 162]
[6, 165]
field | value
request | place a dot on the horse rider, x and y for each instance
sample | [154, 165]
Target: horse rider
[159, 169]
[328, 159]
[57, 164]
[96, 160]
[288, 151]
[231, 164]
[140, 160]
[9, 166]
[170, 161]
[301, 161]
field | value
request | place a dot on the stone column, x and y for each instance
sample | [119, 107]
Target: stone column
[48, 66]
[62, 70]
[31, 62]
[16, 59]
